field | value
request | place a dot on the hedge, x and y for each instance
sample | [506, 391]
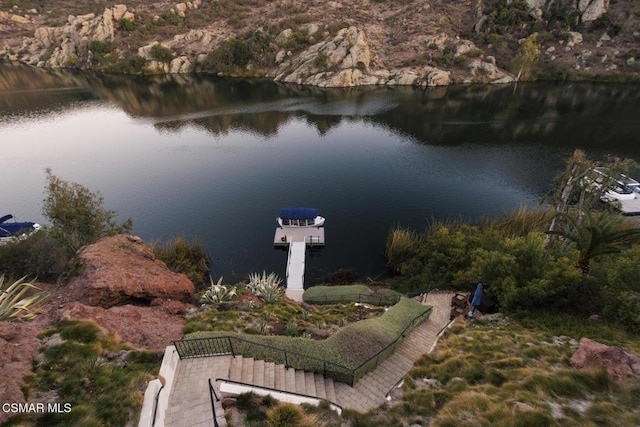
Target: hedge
[350, 293]
[349, 348]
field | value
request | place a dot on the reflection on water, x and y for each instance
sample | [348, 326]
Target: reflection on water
[216, 159]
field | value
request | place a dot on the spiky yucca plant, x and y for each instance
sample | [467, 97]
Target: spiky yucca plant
[217, 293]
[15, 303]
[266, 286]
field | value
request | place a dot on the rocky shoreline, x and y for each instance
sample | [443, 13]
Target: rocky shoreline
[350, 56]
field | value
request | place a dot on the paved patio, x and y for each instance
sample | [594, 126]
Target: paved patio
[190, 405]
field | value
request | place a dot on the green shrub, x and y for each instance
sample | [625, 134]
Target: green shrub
[298, 40]
[79, 372]
[290, 415]
[126, 24]
[400, 247]
[234, 54]
[608, 23]
[98, 49]
[77, 216]
[321, 61]
[38, 256]
[183, 256]
[170, 18]
[161, 53]
[502, 15]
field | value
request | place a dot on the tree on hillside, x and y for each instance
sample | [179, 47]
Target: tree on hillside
[76, 215]
[599, 234]
[527, 56]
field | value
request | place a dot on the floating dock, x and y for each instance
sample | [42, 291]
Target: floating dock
[297, 239]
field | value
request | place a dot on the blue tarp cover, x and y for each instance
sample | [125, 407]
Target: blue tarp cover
[298, 213]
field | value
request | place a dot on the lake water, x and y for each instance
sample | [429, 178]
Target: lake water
[216, 160]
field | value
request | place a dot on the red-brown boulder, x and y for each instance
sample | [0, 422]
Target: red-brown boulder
[147, 328]
[614, 360]
[122, 270]
[18, 346]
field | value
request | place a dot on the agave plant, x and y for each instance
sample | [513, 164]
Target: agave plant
[15, 303]
[266, 286]
[217, 293]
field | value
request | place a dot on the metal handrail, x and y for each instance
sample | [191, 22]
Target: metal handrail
[349, 372]
[155, 406]
[212, 392]
[274, 389]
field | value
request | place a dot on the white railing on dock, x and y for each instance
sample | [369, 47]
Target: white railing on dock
[314, 240]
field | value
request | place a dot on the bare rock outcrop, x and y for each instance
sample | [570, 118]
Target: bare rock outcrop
[614, 360]
[593, 9]
[143, 327]
[56, 47]
[122, 270]
[347, 53]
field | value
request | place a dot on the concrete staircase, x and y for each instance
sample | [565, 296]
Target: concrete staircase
[278, 377]
[190, 406]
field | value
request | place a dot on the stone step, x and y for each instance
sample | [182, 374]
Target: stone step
[235, 371]
[301, 386]
[290, 380]
[310, 384]
[280, 377]
[320, 390]
[258, 372]
[247, 371]
[330, 390]
[270, 374]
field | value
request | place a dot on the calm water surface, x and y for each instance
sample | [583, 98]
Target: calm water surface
[215, 160]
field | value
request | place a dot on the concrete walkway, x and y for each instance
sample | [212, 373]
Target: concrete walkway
[190, 405]
[370, 392]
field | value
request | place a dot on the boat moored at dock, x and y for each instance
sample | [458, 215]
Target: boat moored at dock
[299, 217]
[622, 191]
[15, 230]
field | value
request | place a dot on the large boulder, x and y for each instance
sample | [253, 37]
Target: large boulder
[593, 9]
[122, 270]
[614, 360]
[143, 327]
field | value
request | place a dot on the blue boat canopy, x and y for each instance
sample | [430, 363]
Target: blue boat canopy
[11, 228]
[298, 213]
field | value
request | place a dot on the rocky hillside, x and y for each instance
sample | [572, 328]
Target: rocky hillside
[333, 44]
[119, 285]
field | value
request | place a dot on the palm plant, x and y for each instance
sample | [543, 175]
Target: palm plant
[595, 235]
[217, 293]
[15, 303]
